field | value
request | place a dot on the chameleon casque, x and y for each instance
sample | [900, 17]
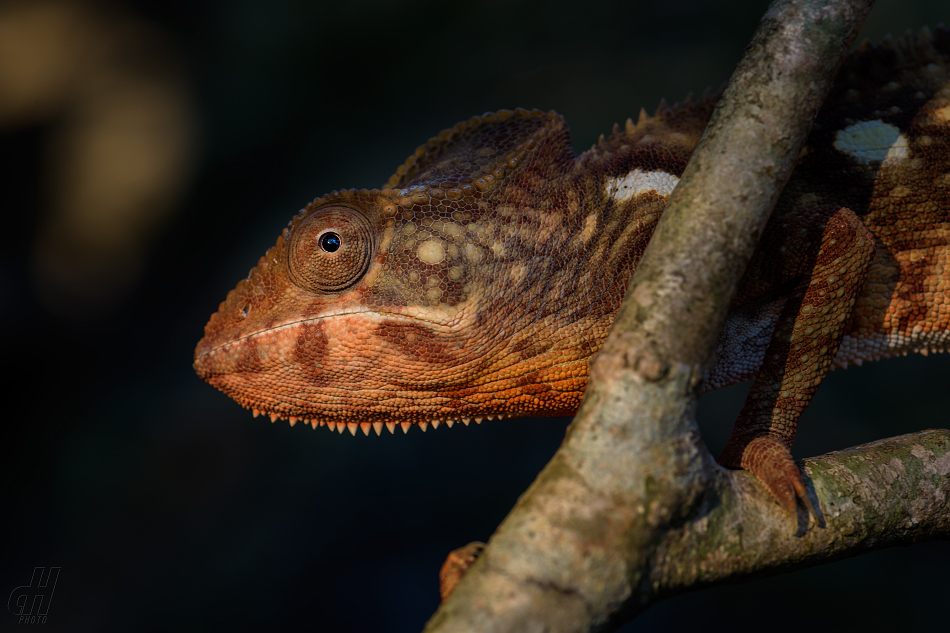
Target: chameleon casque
[481, 279]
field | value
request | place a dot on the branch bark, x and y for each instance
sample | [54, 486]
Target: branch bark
[633, 508]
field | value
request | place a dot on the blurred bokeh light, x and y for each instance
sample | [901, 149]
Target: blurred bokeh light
[121, 145]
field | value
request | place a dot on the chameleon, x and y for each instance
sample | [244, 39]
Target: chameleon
[481, 279]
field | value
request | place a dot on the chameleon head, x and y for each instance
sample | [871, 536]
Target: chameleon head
[373, 306]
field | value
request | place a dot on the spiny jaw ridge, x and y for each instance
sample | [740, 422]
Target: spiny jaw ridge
[366, 427]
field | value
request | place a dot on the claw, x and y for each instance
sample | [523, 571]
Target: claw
[802, 494]
[769, 459]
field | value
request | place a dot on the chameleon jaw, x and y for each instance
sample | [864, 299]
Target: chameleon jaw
[293, 371]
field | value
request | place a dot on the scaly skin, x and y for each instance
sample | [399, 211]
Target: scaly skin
[481, 279]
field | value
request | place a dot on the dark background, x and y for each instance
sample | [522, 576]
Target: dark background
[168, 507]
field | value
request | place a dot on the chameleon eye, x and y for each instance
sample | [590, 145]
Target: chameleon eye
[331, 249]
[330, 242]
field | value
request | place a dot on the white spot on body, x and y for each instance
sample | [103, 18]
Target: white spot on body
[742, 343]
[590, 225]
[631, 185]
[442, 316]
[431, 252]
[872, 142]
[472, 253]
[518, 273]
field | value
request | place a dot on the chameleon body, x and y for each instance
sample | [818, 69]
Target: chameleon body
[479, 281]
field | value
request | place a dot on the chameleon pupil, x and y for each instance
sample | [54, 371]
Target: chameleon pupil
[330, 242]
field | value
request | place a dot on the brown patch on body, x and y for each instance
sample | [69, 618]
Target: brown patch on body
[418, 343]
[247, 357]
[310, 353]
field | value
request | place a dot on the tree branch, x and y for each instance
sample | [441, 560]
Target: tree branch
[891, 492]
[633, 508]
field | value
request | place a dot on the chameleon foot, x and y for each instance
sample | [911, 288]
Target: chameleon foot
[768, 458]
[456, 564]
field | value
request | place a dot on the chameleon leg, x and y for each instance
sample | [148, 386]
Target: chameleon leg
[826, 254]
[456, 564]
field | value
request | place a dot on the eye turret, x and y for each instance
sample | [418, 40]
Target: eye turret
[331, 250]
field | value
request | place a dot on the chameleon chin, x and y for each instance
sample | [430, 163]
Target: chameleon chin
[481, 278]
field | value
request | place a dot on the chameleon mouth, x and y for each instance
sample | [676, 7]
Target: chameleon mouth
[205, 347]
[287, 372]
[358, 368]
